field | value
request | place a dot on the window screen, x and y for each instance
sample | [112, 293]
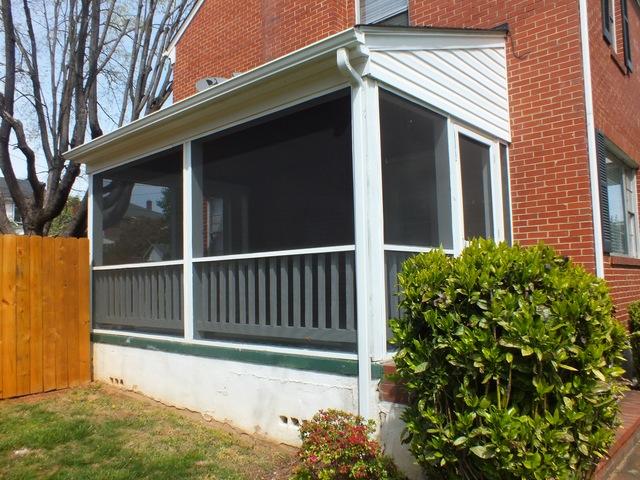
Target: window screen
[415, 174]
[138, 211]
[282, 183]
[476, 188]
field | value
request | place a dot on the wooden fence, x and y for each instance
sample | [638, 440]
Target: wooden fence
[44, 314]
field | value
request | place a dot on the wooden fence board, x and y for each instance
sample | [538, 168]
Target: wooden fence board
[44, 314]
[8, 312]
[48, 316]
[23, 321]
[60, 326]
[84, 322]
[35, 307]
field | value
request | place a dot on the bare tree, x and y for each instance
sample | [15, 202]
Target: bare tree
[62, 58]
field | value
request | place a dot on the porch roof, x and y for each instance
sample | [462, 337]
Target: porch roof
[395, 56]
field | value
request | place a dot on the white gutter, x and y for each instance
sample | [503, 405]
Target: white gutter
[323, 47]
[591, 139]
[364, 359]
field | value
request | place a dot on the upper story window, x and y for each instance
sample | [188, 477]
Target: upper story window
[615, 28]
[384, 12]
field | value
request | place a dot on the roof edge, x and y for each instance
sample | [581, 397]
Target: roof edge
[346, 38]
[170, 51]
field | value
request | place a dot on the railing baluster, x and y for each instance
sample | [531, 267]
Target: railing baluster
[284, 291]
[273, 292]
[308, 291]
[213, 293]
[224, 314]
[322, 301]
[335, 291]
[251, 292]
[262, 292]
[297, 300]
[242, 293]
[231, 278]
[350, 292]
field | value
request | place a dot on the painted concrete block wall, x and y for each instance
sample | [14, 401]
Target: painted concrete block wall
[616, 93]
[247, 396]
[227, 37]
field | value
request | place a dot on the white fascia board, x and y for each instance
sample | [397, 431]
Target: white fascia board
[412, 38]
[171, 49]
[347, 38]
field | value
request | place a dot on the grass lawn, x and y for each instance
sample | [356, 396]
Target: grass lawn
[99, 433]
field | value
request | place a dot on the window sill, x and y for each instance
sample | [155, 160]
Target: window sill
[621, 261]
[619, 61]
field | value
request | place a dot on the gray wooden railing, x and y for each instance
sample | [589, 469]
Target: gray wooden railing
[305, 298]
[393, 261]
[143, 299]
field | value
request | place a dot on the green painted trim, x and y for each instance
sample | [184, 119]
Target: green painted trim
[347, 368]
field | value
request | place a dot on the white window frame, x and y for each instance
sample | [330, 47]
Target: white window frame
[495, 169]
[630, 198]
[612, 25]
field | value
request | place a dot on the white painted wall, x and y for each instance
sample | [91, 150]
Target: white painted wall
[247, 396]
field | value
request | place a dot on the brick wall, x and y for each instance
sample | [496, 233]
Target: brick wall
[227, 37]
[616, 95]
[548, 156]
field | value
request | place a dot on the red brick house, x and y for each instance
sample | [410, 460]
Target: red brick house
[300, 134]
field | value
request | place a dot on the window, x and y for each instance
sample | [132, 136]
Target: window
[626, 40]
[17, 218]
[415, 174]
[138, 211]
[284, 182]
[476, 188]
[609, 22]
[621, 197]
[384, 12]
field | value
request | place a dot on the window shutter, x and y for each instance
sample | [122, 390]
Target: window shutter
[601, 149]
[626, 40]
[373, 11]
[606, 20]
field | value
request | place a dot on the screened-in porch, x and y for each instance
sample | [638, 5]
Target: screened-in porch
[279, 214]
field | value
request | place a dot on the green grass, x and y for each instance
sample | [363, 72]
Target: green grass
[99, 434]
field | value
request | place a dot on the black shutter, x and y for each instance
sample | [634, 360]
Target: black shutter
[626, 41]
[606, 20]
[601, 149]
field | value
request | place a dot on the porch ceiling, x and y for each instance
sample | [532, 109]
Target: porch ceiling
[459, 72]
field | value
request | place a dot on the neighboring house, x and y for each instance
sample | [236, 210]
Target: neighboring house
[292, 192]
[13, 214]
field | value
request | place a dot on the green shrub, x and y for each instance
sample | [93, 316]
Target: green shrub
[511, 358]
[337, 446]
[634, 327]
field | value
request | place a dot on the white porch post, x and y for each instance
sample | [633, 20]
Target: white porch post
[187, 241]
[367, 189]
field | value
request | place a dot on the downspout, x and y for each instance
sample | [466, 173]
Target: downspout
[364, 361]
[358, 15]
[591, 139]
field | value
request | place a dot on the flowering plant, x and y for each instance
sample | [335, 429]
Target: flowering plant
[336, 445]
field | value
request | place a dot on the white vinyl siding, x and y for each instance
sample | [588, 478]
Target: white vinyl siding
[470, 84]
